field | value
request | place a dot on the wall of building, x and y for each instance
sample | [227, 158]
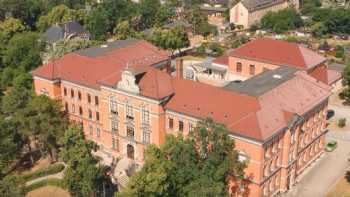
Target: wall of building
[273, 165]
[49, 88]
[245, 71]
[256, 16]
[239, 15]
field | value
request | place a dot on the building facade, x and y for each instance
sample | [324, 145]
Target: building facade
[125, 97]
[249, 12]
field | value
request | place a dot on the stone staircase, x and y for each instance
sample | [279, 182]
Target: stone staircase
[121, 172]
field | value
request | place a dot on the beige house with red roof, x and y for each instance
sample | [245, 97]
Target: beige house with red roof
[124, 96]
[250, 12]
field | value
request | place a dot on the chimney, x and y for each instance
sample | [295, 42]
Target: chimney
[179, 68]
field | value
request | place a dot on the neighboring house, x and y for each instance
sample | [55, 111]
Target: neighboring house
[215, 11]
[123, 95]
[265, 54]
[249, 12]
[65, 31]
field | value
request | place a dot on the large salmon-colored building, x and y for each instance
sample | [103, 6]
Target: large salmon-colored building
[125, 98]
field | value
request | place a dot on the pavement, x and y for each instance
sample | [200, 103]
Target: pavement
[325, 172]
[59, 175]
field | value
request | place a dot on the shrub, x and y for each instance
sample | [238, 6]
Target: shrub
[52, 169]
[52, 182]
[341, 122]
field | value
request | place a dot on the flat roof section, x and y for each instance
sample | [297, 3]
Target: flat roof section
[259, 84]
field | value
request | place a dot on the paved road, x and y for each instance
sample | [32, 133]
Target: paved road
[340, 112]
[324, 174]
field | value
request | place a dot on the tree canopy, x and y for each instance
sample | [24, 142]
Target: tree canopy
[282, 21]
[331, 20]
[173, 39]
[199, 165]
[83, 176]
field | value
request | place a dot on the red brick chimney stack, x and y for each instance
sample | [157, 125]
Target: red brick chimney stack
[179, 68]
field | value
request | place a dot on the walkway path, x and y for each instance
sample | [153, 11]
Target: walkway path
[59, 175]
[324, 174]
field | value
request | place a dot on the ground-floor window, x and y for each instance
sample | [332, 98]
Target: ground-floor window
[91, 130]
[98, 132]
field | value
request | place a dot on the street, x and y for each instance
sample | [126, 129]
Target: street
[325, 172]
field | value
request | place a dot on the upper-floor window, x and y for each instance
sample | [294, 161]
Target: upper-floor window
[113, 105]
[129, 112]
[96, 100]
[97, 116]
[114, 126]
[146, 137]
[73, 108]
[89, 98]
[79, 95]
[239, 67]
[181, 126]
[171, 123]
[130, 132]
[72, 93]
[80, 110]
[65, 91]
[90, 114]
[252, 69]
[145, 115]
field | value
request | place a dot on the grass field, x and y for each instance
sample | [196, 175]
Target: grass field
[48, 191]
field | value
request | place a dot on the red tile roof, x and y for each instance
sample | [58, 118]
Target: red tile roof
[222, 60]
[256, 118]
[279, 53]
[320, 73]
[156, 84]
[89, 70]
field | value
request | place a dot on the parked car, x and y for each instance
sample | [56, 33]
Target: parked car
[331, 146]
[330, 114]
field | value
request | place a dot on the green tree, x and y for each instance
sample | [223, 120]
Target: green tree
[42, 118]
[9, 27]
[173, 39]
[23, 51]
[83, 177]
[282, 21]
[329, 20]
[59, 15]
[196, 166]
[10, 144]
[345, 94]
[97, 23]
[309, 6]
[12, 186]
[123, 30]
[153, 13]
[65, 46]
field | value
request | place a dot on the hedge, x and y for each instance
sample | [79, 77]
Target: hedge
[51, 181]
[52, 169]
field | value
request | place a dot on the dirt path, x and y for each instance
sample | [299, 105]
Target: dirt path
[48, 191]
